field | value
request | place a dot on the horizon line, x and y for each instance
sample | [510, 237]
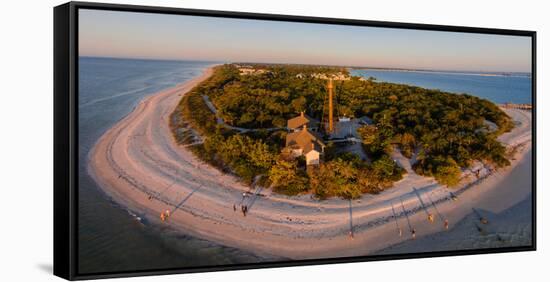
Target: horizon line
[308, 64]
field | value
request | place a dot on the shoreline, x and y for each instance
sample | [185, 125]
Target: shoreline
[138, 157]
[490, 74]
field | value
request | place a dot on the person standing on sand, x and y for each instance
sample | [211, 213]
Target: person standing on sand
[234, 208]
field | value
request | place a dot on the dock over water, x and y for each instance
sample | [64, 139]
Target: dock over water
[527, 107]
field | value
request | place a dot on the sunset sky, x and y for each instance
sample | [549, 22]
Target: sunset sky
[160, 36]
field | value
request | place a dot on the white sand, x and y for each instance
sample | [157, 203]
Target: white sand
[138, 157]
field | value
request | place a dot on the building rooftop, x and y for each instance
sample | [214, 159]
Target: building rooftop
[305, 140]
[299, 121]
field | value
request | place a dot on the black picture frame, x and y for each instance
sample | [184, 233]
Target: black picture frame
[66, 135]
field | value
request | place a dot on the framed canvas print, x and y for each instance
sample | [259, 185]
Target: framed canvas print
[193, 140]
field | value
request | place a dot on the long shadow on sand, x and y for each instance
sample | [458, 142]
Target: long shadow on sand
[180, 204]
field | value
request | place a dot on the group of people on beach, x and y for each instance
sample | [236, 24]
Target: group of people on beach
[164, 215]
[244, 209]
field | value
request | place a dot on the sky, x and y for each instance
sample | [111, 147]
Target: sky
[178, 37]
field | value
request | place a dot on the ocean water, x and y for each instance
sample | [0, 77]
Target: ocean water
[112, 238]
[514, 88]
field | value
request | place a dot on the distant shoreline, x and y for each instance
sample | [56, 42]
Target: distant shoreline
[457, 72]
[496, 74]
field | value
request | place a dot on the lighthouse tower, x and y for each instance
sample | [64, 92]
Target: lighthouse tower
[330, 108]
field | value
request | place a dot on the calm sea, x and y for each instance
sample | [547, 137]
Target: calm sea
[110, 237]
[513, 88]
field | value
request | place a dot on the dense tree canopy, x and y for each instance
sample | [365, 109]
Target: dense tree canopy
[443, 131]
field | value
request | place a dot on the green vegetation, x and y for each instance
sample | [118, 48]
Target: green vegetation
[444, 132]
[348, 177]
[287, 178]
[270, 99]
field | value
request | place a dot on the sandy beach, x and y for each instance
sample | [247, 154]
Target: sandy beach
[138, 163]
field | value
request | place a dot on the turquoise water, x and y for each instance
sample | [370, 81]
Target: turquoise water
[513, 88]
[112, 238]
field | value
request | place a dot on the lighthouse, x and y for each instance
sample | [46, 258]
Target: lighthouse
[330, 108]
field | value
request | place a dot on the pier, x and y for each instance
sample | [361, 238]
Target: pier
[527, 107]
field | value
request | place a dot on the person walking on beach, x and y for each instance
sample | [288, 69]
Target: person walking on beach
[234, 208]
[431, 218]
